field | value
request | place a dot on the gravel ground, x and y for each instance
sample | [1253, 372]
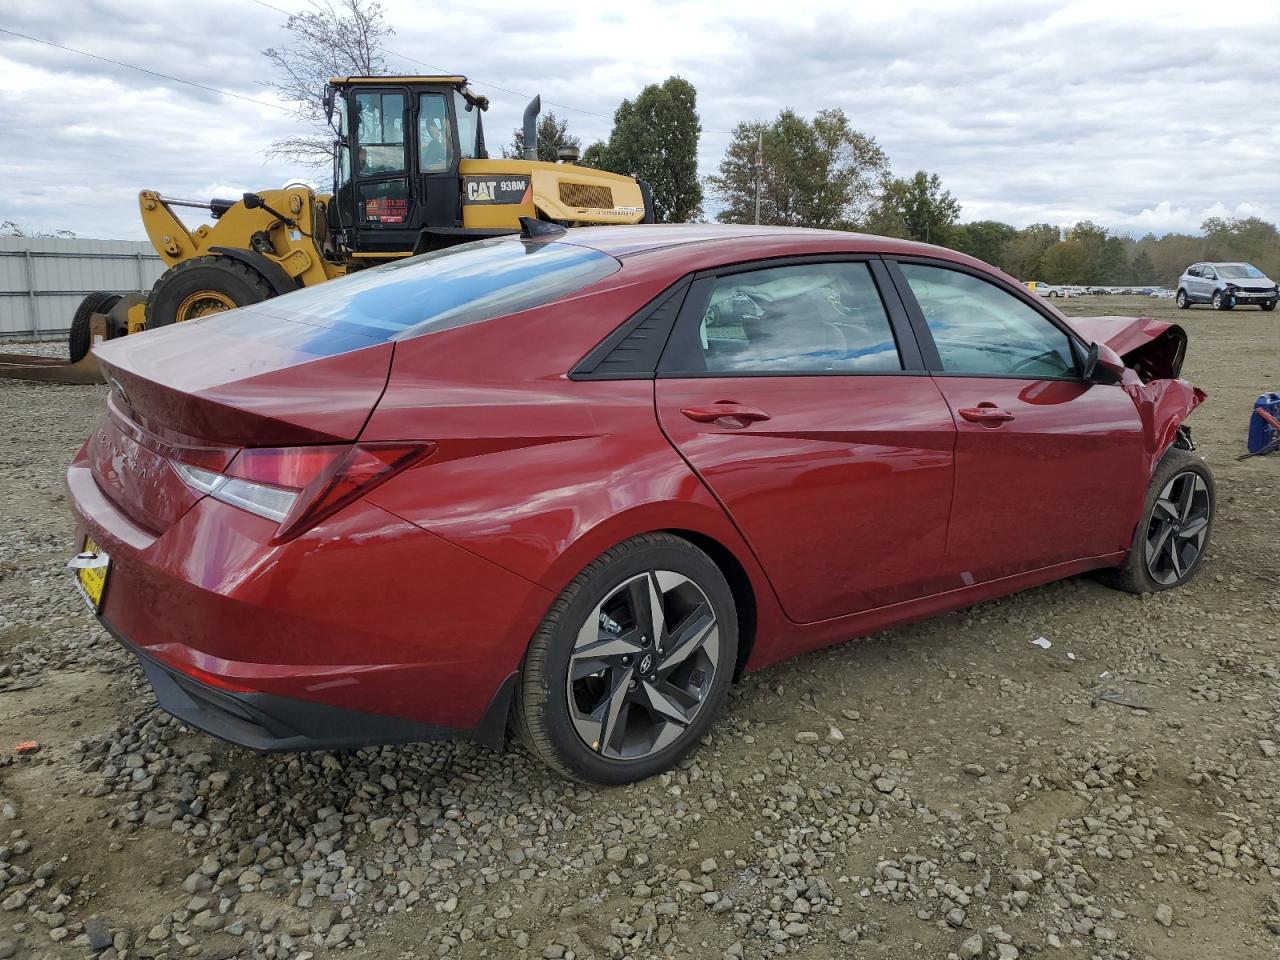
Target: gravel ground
[947, 789]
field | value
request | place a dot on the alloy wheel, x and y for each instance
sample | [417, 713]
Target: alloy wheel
[643, 665]
[1177, 528]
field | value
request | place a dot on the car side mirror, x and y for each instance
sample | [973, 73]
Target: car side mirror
[1102, 364]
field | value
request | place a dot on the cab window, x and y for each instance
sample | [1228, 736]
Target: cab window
[468, 127]
[379, 119]
[435, 142]
[980, 329]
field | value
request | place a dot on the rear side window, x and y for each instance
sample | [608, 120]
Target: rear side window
[436, 291]
[980, 329]
[811, 318]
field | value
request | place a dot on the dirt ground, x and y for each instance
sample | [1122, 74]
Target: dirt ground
[944, 789]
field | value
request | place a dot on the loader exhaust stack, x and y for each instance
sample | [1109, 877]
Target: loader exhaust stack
[531, 128]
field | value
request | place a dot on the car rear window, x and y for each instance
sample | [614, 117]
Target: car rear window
[436, 291]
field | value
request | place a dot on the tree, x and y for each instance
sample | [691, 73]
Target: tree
[1250, 239]
[1112, 267]
[1144, 269]
[817, 173]
[11, 228]
[655, 139]
[1024, 252]
[1067, 261]
[915, 209]
[553, 133]
[984, 239]
[326, 41]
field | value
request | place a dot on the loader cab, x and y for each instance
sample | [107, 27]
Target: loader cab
[400, 141]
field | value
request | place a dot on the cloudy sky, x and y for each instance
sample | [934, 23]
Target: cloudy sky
[1143, 116]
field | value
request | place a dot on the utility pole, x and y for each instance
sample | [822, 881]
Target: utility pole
[759, 171]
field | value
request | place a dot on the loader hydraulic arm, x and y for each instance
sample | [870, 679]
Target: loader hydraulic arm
[171, 239]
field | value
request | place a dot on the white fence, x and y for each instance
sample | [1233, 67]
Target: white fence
[42, 281]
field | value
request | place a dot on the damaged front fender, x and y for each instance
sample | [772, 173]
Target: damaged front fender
[1152, 351]
[1162, 405]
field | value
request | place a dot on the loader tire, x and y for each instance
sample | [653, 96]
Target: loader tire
[203, 286]
[79, 341]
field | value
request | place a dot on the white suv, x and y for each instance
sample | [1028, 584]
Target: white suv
[1226, 285]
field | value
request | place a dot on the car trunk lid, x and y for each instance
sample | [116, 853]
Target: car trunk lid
[199, 392]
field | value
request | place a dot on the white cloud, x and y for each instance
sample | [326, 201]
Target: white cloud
[1140, 116]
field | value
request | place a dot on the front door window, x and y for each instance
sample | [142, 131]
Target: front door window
[380, 133]
[982, 330]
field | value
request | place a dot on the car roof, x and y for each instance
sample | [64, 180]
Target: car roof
[655, 238]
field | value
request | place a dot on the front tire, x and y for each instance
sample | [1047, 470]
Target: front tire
[631, 664]
[202, 286]
[1173, 534]
[1222, 301]
[1182, 301]
[1269, 305]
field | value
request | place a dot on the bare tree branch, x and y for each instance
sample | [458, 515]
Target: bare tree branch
[328, 40]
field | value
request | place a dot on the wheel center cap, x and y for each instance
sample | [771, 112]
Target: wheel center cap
[646, 663]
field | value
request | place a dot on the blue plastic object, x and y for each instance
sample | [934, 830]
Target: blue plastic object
[1262, 433]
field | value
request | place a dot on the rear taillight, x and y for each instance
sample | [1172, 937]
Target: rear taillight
[297, 487]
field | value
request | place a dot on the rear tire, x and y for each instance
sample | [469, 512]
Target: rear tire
[1182, 301]
[1167, 550]
[611, 693]
[80, 341]
[203, 286]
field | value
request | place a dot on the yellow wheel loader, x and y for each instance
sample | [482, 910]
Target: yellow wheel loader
[410, 174]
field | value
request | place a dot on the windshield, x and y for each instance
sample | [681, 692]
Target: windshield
[459, 285]
[1239, 271]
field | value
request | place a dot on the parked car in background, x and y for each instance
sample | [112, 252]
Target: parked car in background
[582, 481]
[1042, 289]
[1226, 285]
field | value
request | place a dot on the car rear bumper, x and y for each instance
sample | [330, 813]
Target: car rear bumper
[366, 630]
[266, 722]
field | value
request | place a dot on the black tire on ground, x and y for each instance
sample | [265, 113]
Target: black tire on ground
[1268, 305]
[1053, 294]
[543, 714]
[79, 342]
[1182, 301]
[203, 285]
[1222, 302]
[1135, 575]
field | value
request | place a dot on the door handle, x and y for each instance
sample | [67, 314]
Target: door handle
[735, 414]
[986, 413]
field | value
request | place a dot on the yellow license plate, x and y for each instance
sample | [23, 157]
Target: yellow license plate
[91, 569]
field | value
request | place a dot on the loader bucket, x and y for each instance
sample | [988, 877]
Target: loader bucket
[19, 366]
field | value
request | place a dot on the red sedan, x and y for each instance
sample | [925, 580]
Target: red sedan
[582, 481]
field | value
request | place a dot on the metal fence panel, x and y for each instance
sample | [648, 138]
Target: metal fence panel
[43, 279]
